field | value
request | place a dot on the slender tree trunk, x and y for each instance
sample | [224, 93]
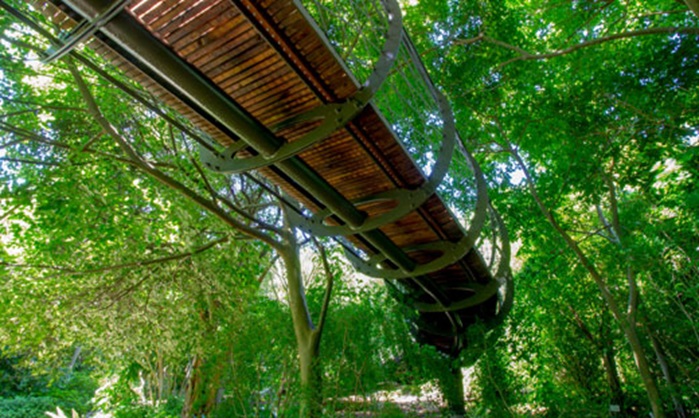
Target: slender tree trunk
[452, 386]
[693, 6]
[606, 348]
[193, 388]
[307, 336]
[609, 362]
[644, 369]
[680, 410]
[626, 322]
[159, 374]
[74, 359]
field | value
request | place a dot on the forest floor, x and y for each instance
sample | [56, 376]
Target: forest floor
[397, 403]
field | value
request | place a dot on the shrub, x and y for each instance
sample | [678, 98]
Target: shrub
[29, 406]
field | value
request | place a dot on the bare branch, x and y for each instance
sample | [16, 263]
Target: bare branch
[632, 304]
[158, 175]
[330, 281]
[161, 260]
[11, 143]
[25, 161]
[268, 268]
[40, 105]
[9, 212]
[606, 225]
[614, 207]
[585, 330]
[524, 55]
[91, 141]
[469, 41]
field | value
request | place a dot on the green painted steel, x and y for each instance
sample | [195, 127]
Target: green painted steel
[451, 252]
[83, 31]
[268, 150]
[502, 278]
[180, 78]
[406, 200]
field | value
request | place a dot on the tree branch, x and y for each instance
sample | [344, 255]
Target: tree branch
[330, 281]
[216, 197]
[10, 211]
[25, 161]
[693, 5]
[158, 175]
[606, 225]
[528, 56]
[32, 136]
[268, 268]
[585, 330]
[161, 260]
[614, 207]
[632, 305]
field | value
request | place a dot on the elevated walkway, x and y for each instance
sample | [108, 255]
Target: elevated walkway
[328, 100]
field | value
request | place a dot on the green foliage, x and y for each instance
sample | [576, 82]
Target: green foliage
[28, 406]
[95, 254]
[622, 112]
[171, 408]
[29, 390]
[74, 392]
[16, 379]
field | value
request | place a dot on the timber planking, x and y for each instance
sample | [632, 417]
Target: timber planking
[269, 59]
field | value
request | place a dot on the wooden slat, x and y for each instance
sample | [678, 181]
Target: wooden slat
[267, 58]
[274, 81]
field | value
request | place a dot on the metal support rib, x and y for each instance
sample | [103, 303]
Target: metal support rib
[333, 115]
[159, 61]
[451, 252]
[502, 282]
[407, 200]
[83, 31]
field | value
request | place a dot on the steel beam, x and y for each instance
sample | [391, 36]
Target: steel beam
[333, 115]
[186, 81]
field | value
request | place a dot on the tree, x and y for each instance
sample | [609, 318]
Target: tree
[579, 109]
[93, 132]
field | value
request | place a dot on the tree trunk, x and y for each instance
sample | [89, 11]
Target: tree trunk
[202, 388]
[307, 337]
[610, 369]
[680, 411]
[452, 386]
[74, 360]
[311, 381]
[192, 389]
[626, 322]
[639, 357]
[693, 6]
[606, 347]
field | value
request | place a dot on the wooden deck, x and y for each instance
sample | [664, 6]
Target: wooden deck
[271, 62]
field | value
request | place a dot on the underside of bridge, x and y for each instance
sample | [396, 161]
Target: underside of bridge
[330, 101]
